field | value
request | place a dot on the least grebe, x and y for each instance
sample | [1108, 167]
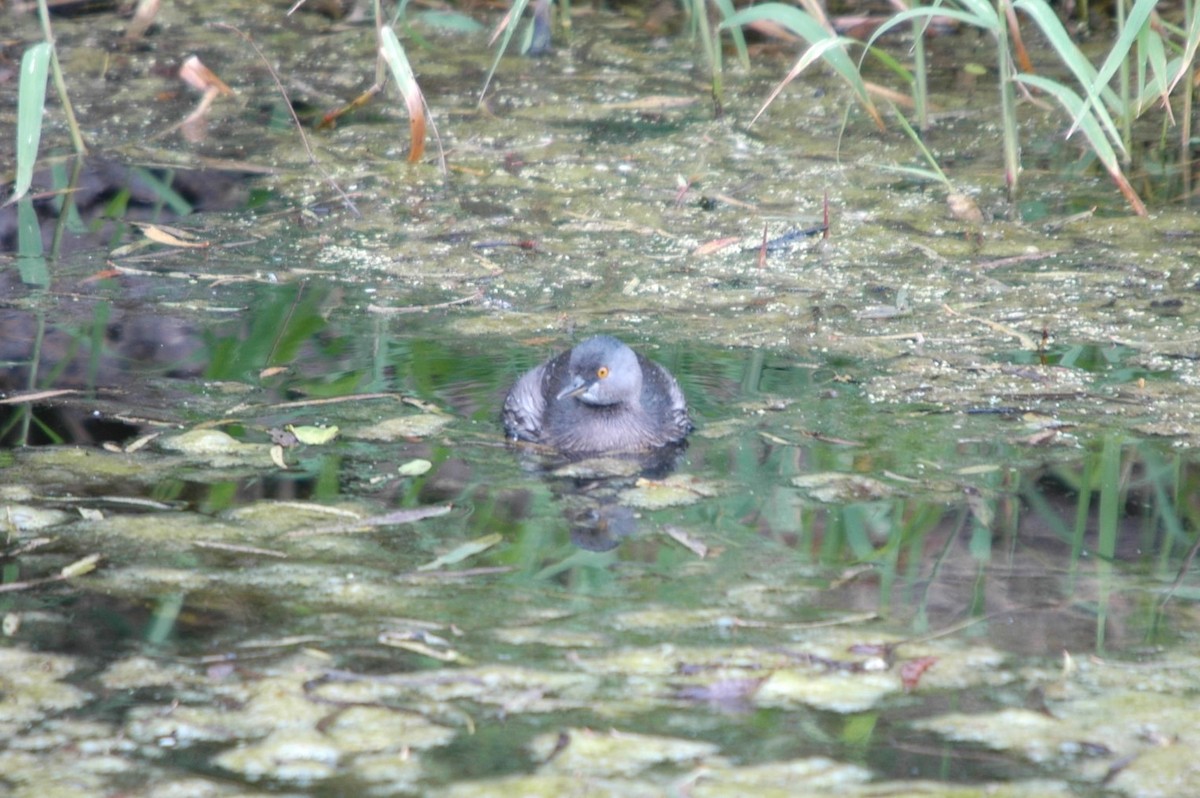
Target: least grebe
[600, 397]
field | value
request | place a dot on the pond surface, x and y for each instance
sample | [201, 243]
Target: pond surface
[932, 535]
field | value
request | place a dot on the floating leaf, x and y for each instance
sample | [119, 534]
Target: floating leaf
[172, 237]
[677, 489]
[416, 426]
[468, 549]
[838, 487]
[216, 448]
[680, 536]
[414, 468]
[313, 436]
[591, 753]
[81, 567]
[417, 647]
[138, 443]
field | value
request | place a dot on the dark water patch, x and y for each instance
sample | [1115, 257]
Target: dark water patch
[86, 204]
[1114, 364]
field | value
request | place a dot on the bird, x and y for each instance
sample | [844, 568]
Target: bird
[598, 398]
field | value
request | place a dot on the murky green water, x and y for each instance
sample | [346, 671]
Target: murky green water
[930, 537]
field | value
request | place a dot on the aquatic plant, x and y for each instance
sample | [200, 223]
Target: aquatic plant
[824, 44]
[37, 64]
[406, 81]
[710, 40]
[700, 12]
[1138, 60]
[504, 32]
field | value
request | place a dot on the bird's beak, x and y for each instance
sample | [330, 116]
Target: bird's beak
[578, 386]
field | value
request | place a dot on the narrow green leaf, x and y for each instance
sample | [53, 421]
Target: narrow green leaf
[1190, 44]
[31, 105]
[739, 39]
[1138, 19]
[934, 172]
[506, 27]
[397, 60]
[31, 260]
[29, 231]
[824, 44]
[1087, 123]
[164, 618]
[987, 22]
[1150, 47]
[980, 9]
[164, 191]
[406, 81]
[527, 35]
[915, 171]
[886, 58]
[1077, 62]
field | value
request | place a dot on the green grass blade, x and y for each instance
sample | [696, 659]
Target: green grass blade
[1087, 123]
[1190, 44]
[1150, 47]
[1138, 19]
[712, 49]
[919, 18]
[919, 173]
[934, 172]
[824, 44]
[886, 58]
[926, 13]
[166, 194]
[1077, 62]
[807, 59]
[406, 81]
[980, 9]
[1092, 132]
[739, 39]
[505, 31]
[31, 105]
[1107, 528]
[803, 25]
[31, 260]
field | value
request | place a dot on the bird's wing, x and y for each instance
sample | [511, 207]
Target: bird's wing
[525, 406]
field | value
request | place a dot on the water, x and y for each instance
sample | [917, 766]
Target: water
[941, 479]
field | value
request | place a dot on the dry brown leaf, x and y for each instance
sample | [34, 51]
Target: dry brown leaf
[172, 237]
[194, 73]
[714, 246]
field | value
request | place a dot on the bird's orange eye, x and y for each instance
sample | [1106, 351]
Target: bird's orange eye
[602, 372]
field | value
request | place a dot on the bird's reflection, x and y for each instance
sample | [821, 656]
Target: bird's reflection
[589, 489]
